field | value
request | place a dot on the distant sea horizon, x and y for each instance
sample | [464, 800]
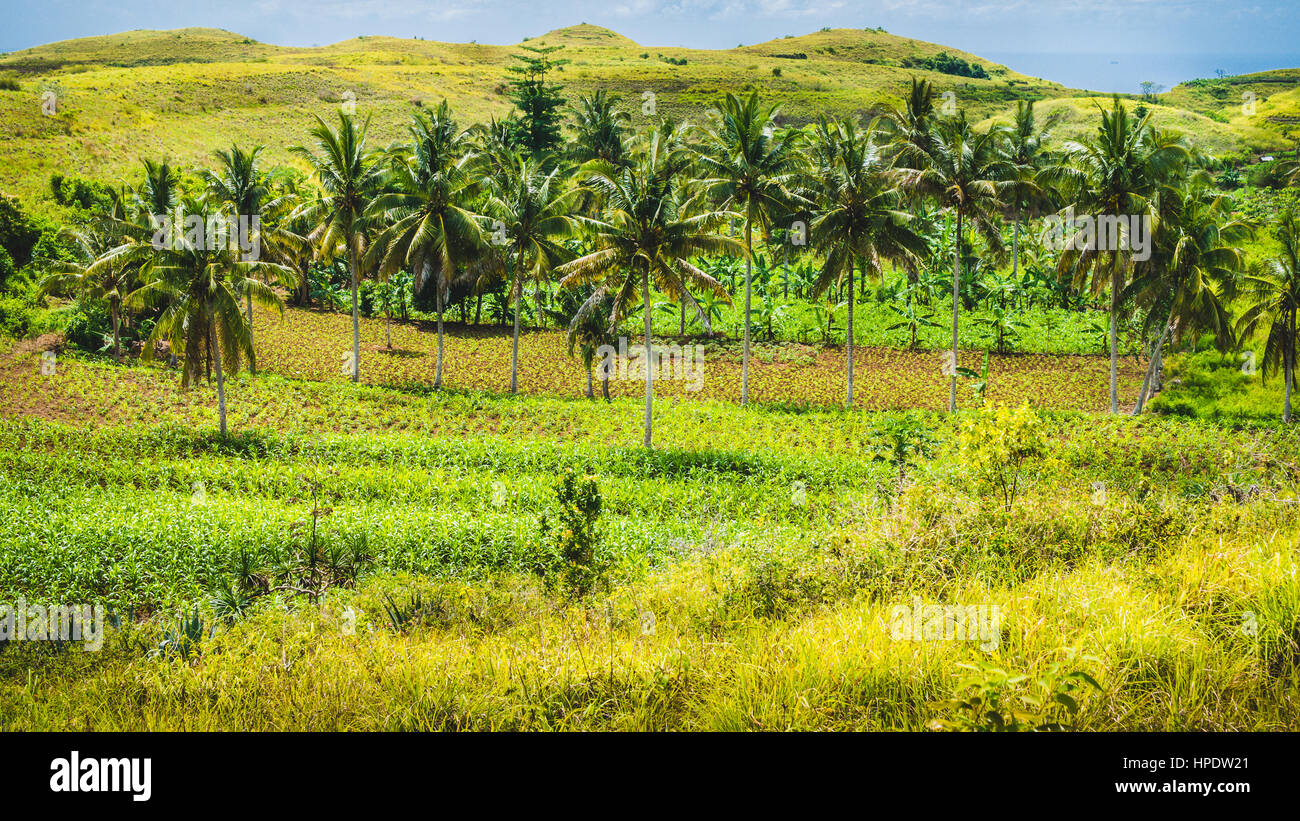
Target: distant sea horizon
[1125, 72]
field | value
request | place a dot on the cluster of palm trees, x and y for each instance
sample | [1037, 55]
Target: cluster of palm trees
[613, 215]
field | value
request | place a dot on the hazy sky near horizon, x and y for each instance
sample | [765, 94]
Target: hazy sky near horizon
[1268, 27]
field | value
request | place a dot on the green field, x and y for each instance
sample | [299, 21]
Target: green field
[769, 570]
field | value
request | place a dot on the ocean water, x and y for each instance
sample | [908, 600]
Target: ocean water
[1125, 72]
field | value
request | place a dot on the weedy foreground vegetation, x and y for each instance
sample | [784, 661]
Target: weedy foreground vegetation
[469, 561]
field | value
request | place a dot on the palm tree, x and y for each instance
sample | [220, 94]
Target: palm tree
[1274, 294]
[859, 220]
[968, 174]
[99, 274]
[348, 176]
[1115, 174]
[599, 128]
[433, 231]
[748, 166]
[1195, 258]
[241, 187]
[589, 330]
[530, 208]
[157, 195]
[647, 234]
[198, 290]
[1026, 151]
[912, 124]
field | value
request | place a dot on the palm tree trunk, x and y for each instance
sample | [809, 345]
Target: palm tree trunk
[388, 320]
[749, 269]
[785, 271]
[478, 309]
[437, 378]
[1015, 246]
[1288, 359]
[1114, 334]
[1153, 365]
[604, 386]
[252, 366]
[221, 380]
[649, 355]
[681, 325]
[850, 336]
[356, 320]
[956, 287]
[117, 337]
[514, 349]
[591, 392]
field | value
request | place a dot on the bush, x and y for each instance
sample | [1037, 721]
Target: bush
[79, 193]
[997, 442]
[570, 537]
[948, 64]
[15, 317]
[18, 231]
[53, 246]
[88, 325]
[7, 267]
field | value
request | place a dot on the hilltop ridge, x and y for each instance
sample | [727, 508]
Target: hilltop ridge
[184, 93]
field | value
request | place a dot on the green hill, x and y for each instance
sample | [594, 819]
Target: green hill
[181, 94]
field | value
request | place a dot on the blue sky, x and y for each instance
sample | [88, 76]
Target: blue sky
[986, 27]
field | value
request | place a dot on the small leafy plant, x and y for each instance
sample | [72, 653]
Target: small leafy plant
[997, 443]
[992, 700]
[570, 535]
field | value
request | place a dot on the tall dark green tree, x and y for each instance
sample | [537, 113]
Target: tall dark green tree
[538, 101]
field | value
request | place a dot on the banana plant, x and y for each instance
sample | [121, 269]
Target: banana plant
[1003, 323]
[981, 379]
[911, 318]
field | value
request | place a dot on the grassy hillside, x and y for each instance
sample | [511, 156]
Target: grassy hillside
[1077, 118]
[183, 93]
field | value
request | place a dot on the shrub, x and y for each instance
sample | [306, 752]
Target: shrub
[15, 317]
[997, 442]
[7, 267]
[570, 535]
[948, 64]
[88, 325]
[78, 192]
[18, 231]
